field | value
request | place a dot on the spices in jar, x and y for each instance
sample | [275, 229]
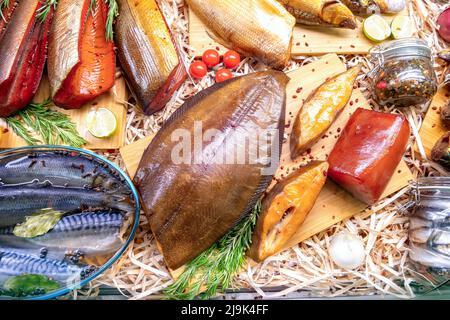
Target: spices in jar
[404, 74]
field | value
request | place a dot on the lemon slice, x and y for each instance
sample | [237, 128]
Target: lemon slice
[101, 123]
[402, 27]
[375, 28]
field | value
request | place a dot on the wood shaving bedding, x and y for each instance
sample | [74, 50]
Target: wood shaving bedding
[141, 273]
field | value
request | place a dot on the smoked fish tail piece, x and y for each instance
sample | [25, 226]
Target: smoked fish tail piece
[331, 13]
[148, 54]
[23, 51]
[261, 29]
[192, 199]
[81, 63]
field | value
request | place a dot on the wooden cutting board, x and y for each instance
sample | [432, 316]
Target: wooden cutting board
[432, 128]
[307, 40]
[111, 100]
[334, 204]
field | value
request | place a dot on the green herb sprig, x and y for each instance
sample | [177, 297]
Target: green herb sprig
[215, 268]
[3, 5]
[113, 13]
[43, 11]
[52, 126]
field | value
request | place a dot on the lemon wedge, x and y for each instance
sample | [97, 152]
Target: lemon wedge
[376, 28]
[101, 123]
[402, 27]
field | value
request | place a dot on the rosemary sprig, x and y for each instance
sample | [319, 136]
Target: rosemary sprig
[113, 13]
[43, 11]
[214, 269]
[3, 5]
[52, 126]
[20, 130]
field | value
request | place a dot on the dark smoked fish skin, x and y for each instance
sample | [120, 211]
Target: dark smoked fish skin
[17, 202]
[191, 206]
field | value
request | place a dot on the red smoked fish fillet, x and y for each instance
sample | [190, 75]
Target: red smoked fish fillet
[368, 152]
[81, 63]
[23, 50]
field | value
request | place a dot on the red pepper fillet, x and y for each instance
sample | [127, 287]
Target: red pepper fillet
[23, 50]
[368, 152]
[90, 69]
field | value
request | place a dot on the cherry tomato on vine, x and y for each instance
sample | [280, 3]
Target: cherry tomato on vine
[223, 75]
[211, 58]
[198, 69]
[231, 59]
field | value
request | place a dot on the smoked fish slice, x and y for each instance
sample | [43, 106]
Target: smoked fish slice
[23, 51]
[257, 28]
[285, 207]
[81, 62]
[147, 54]
[192, 199]
[331, 13]
[320, 110]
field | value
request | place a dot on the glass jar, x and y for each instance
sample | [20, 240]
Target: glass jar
[429, 229]
[403, 74]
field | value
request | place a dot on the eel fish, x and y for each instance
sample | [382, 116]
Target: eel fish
[81, 61]
[320, 110]
[321, 12]
[17, 202]
[284, 209]
[148, 55]
[258, 28]
[368, 7]
[64, 169]
[23, 51]
[192, 199]
[86, 234]
[18, 263]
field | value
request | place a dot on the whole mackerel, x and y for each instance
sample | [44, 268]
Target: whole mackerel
[87, 234]
[16, 264]
[17, 202]
[60, 169]
[192, 199]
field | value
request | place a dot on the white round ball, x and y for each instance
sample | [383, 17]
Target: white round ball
[394, 6]
[347, 250]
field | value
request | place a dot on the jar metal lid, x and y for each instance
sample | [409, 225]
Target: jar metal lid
[402, 47]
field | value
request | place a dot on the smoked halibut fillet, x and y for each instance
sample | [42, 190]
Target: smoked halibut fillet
[192, 198]
[257, 28]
